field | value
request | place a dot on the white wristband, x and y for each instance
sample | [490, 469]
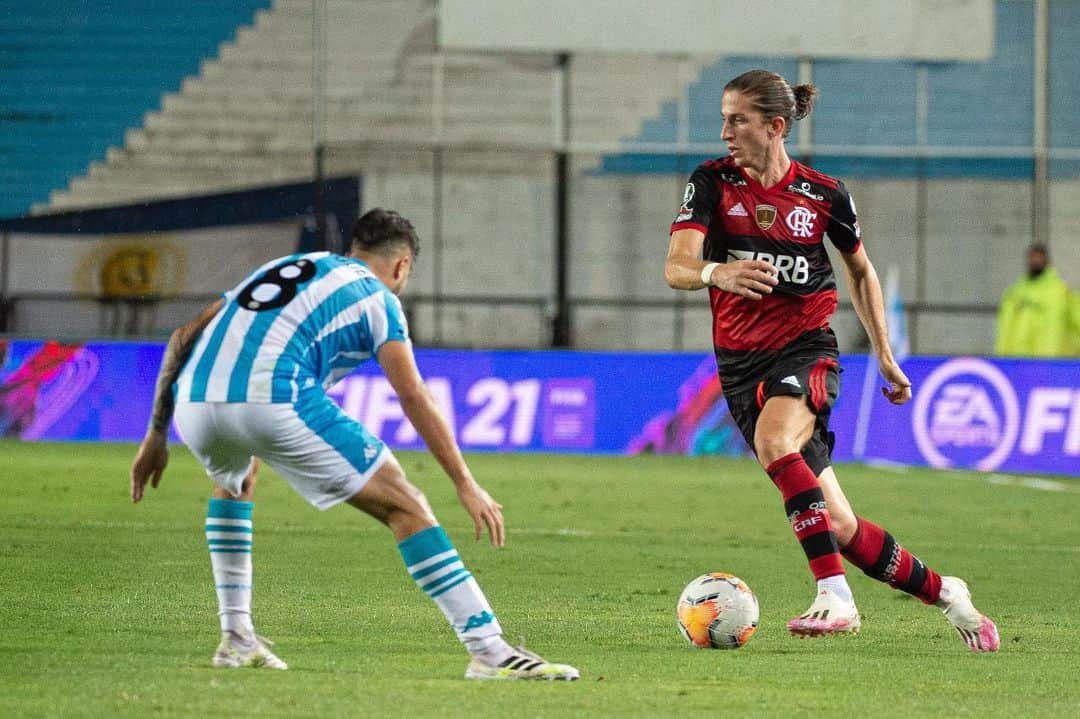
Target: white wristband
[706, 272]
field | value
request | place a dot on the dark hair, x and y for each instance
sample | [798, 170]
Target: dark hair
[1040, 248]
[384, 232]
[773, 97]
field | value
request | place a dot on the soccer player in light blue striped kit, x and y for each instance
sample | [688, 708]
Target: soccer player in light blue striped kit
[247, 378]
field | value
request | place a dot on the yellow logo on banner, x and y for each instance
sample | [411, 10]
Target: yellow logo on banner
[132, 268]
[129, 272]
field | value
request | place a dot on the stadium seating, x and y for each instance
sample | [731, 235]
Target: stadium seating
[103, 68]
[246, 117]
[873, 103]
[243, 114]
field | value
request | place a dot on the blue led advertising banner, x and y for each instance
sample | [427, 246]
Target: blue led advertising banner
[969, 413]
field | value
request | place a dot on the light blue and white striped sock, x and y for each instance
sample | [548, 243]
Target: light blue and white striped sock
[434, 563]
[228, 534]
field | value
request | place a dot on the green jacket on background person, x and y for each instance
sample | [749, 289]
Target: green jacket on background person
[1039, 317]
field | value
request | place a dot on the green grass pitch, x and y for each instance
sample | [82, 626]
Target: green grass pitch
[107, 609]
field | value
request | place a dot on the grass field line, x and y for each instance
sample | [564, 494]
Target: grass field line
[1013, 547]
[195, 525]
[1045, 485]
[568, 532]
[1042, 484]
[574, 532]
[987, 547]
[889, 466]
[1008, 480]
[359, 528]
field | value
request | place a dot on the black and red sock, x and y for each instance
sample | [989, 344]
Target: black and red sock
[804, 504]
[880, 556]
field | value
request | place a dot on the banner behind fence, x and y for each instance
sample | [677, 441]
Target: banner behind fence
[987, 414]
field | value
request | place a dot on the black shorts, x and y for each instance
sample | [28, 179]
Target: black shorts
[797, 372]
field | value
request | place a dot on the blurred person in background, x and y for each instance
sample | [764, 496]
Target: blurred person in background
[1039, 315]
[751, 229]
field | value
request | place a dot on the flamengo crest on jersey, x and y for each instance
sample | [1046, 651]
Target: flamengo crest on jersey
[296, 323]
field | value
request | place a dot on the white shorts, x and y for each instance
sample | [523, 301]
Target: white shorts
[323, 453]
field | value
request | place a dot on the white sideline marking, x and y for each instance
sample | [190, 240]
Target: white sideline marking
[1064, 548]
[1043, 485]
[886, 465]
[1048, 485]
[564, 532]
[1007, 480]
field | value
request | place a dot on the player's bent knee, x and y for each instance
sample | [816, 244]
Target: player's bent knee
[416, 503]
[390, 498]
[771, 448]
[410, 513]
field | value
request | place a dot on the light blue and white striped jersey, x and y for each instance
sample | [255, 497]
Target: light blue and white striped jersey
[296, 323]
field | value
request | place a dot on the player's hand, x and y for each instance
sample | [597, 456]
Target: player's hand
[752, 279]
[484, 511]
[899, 389]
[150, 461]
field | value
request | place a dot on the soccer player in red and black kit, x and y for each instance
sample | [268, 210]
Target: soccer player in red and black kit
[751, 228]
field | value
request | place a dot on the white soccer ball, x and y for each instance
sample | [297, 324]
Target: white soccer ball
[717, 611]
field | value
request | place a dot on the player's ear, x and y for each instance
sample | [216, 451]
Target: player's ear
[776, 127]
[401, 267]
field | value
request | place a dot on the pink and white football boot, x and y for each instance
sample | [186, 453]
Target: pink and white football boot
[978, 632]
[829, 614]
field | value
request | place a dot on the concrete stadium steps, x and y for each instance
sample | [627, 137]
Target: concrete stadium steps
[272, 58]
[126, 176]
[155, 178]
[246, 118]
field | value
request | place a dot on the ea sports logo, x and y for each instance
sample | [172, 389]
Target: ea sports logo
[966, 414]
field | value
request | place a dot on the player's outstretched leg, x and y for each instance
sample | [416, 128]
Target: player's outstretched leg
[881, 557]
[229, 537]
[978, 632]
[833, 610]
[436, 567]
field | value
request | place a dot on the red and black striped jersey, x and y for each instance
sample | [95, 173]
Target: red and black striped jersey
[784, 225]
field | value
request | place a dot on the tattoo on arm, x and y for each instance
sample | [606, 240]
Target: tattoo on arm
[181, 343]
[164, 402]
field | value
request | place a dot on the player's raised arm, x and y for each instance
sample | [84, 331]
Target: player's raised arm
[399, 365]
[153, 453]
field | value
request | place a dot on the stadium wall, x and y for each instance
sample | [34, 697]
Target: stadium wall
[958, 245]
[485, 203]
[144, 269]
[967, 413]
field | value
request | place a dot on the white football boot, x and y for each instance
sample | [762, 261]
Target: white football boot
[829, 614]
[522, 664]
[238, 650]
[978, 632]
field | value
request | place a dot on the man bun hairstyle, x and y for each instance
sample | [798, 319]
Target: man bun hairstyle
[384, 232]
[773, 97]
[804, 99]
